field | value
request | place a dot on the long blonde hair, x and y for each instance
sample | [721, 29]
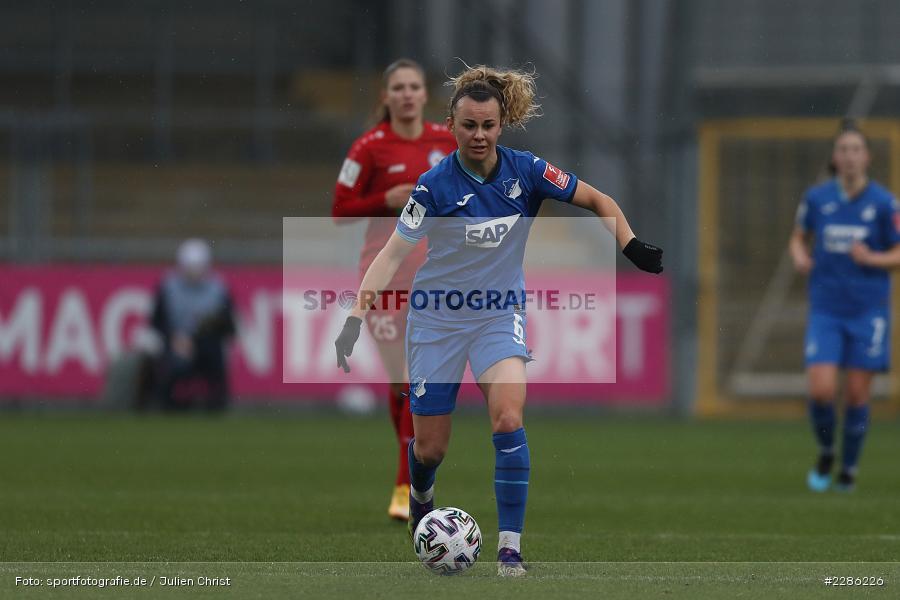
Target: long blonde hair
[514, 90]
[382, 114]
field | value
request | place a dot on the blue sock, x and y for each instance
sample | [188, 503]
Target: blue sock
[513, 465]
[421, 478]
[822, 417]
[856, 421]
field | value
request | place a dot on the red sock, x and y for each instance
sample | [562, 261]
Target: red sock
[404, 428]
[395, 404]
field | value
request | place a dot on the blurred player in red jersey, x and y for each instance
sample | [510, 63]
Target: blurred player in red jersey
[376, 180]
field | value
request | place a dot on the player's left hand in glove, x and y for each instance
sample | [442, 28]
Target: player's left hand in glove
[346, 340]
[645, 257]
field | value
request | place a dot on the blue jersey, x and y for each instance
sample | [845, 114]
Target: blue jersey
[837, 285]
[477, 229]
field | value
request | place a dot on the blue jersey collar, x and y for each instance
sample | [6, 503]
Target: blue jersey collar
[476, 177]
[842, 193]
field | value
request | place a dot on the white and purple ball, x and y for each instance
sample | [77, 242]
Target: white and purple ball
[447, 541]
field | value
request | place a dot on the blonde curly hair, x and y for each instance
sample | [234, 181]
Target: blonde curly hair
[514, 90]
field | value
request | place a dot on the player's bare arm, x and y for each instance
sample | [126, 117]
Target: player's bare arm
[381, 271]
[397, 196]
[590, 198]
[646, 257]
[865, 256]
[377, 278]
[798, 246]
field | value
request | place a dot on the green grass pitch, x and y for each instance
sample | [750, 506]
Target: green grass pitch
[294, 506]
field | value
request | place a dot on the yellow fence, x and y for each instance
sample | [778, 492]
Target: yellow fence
[751, 307]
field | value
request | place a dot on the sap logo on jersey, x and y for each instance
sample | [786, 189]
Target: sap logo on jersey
[840, 238]
[490, 233]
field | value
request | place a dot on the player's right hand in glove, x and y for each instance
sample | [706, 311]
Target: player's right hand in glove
[346, 340]
[645, 257]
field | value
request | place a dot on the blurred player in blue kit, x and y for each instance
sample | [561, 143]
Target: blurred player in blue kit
[490, 194]
[855, 228]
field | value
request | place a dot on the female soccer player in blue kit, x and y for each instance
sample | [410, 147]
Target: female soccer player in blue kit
[484, 189]
[855, 227]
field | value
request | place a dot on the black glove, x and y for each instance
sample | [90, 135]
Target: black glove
[345, 341]
[645, 257]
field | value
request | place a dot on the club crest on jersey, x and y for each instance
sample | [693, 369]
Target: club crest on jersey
[558, 178]
[413, 214]
[435, 156]
[868, 213]
[511, 186]
[490, 233]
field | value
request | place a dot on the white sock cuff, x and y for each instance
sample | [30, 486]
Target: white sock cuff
[422, 497]
[511, 540]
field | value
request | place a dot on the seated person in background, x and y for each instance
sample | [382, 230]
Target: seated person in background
[193, 314]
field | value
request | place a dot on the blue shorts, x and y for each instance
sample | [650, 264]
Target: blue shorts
[437, 357]
[861, 342]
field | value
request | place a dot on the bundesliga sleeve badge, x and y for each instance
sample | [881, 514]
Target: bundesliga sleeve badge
[413, 214]
[558, 178]
[349, 173]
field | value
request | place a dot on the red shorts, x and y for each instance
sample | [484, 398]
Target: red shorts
[388, 326]
[387, 318]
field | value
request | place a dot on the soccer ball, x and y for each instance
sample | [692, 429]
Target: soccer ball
[447, 541]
